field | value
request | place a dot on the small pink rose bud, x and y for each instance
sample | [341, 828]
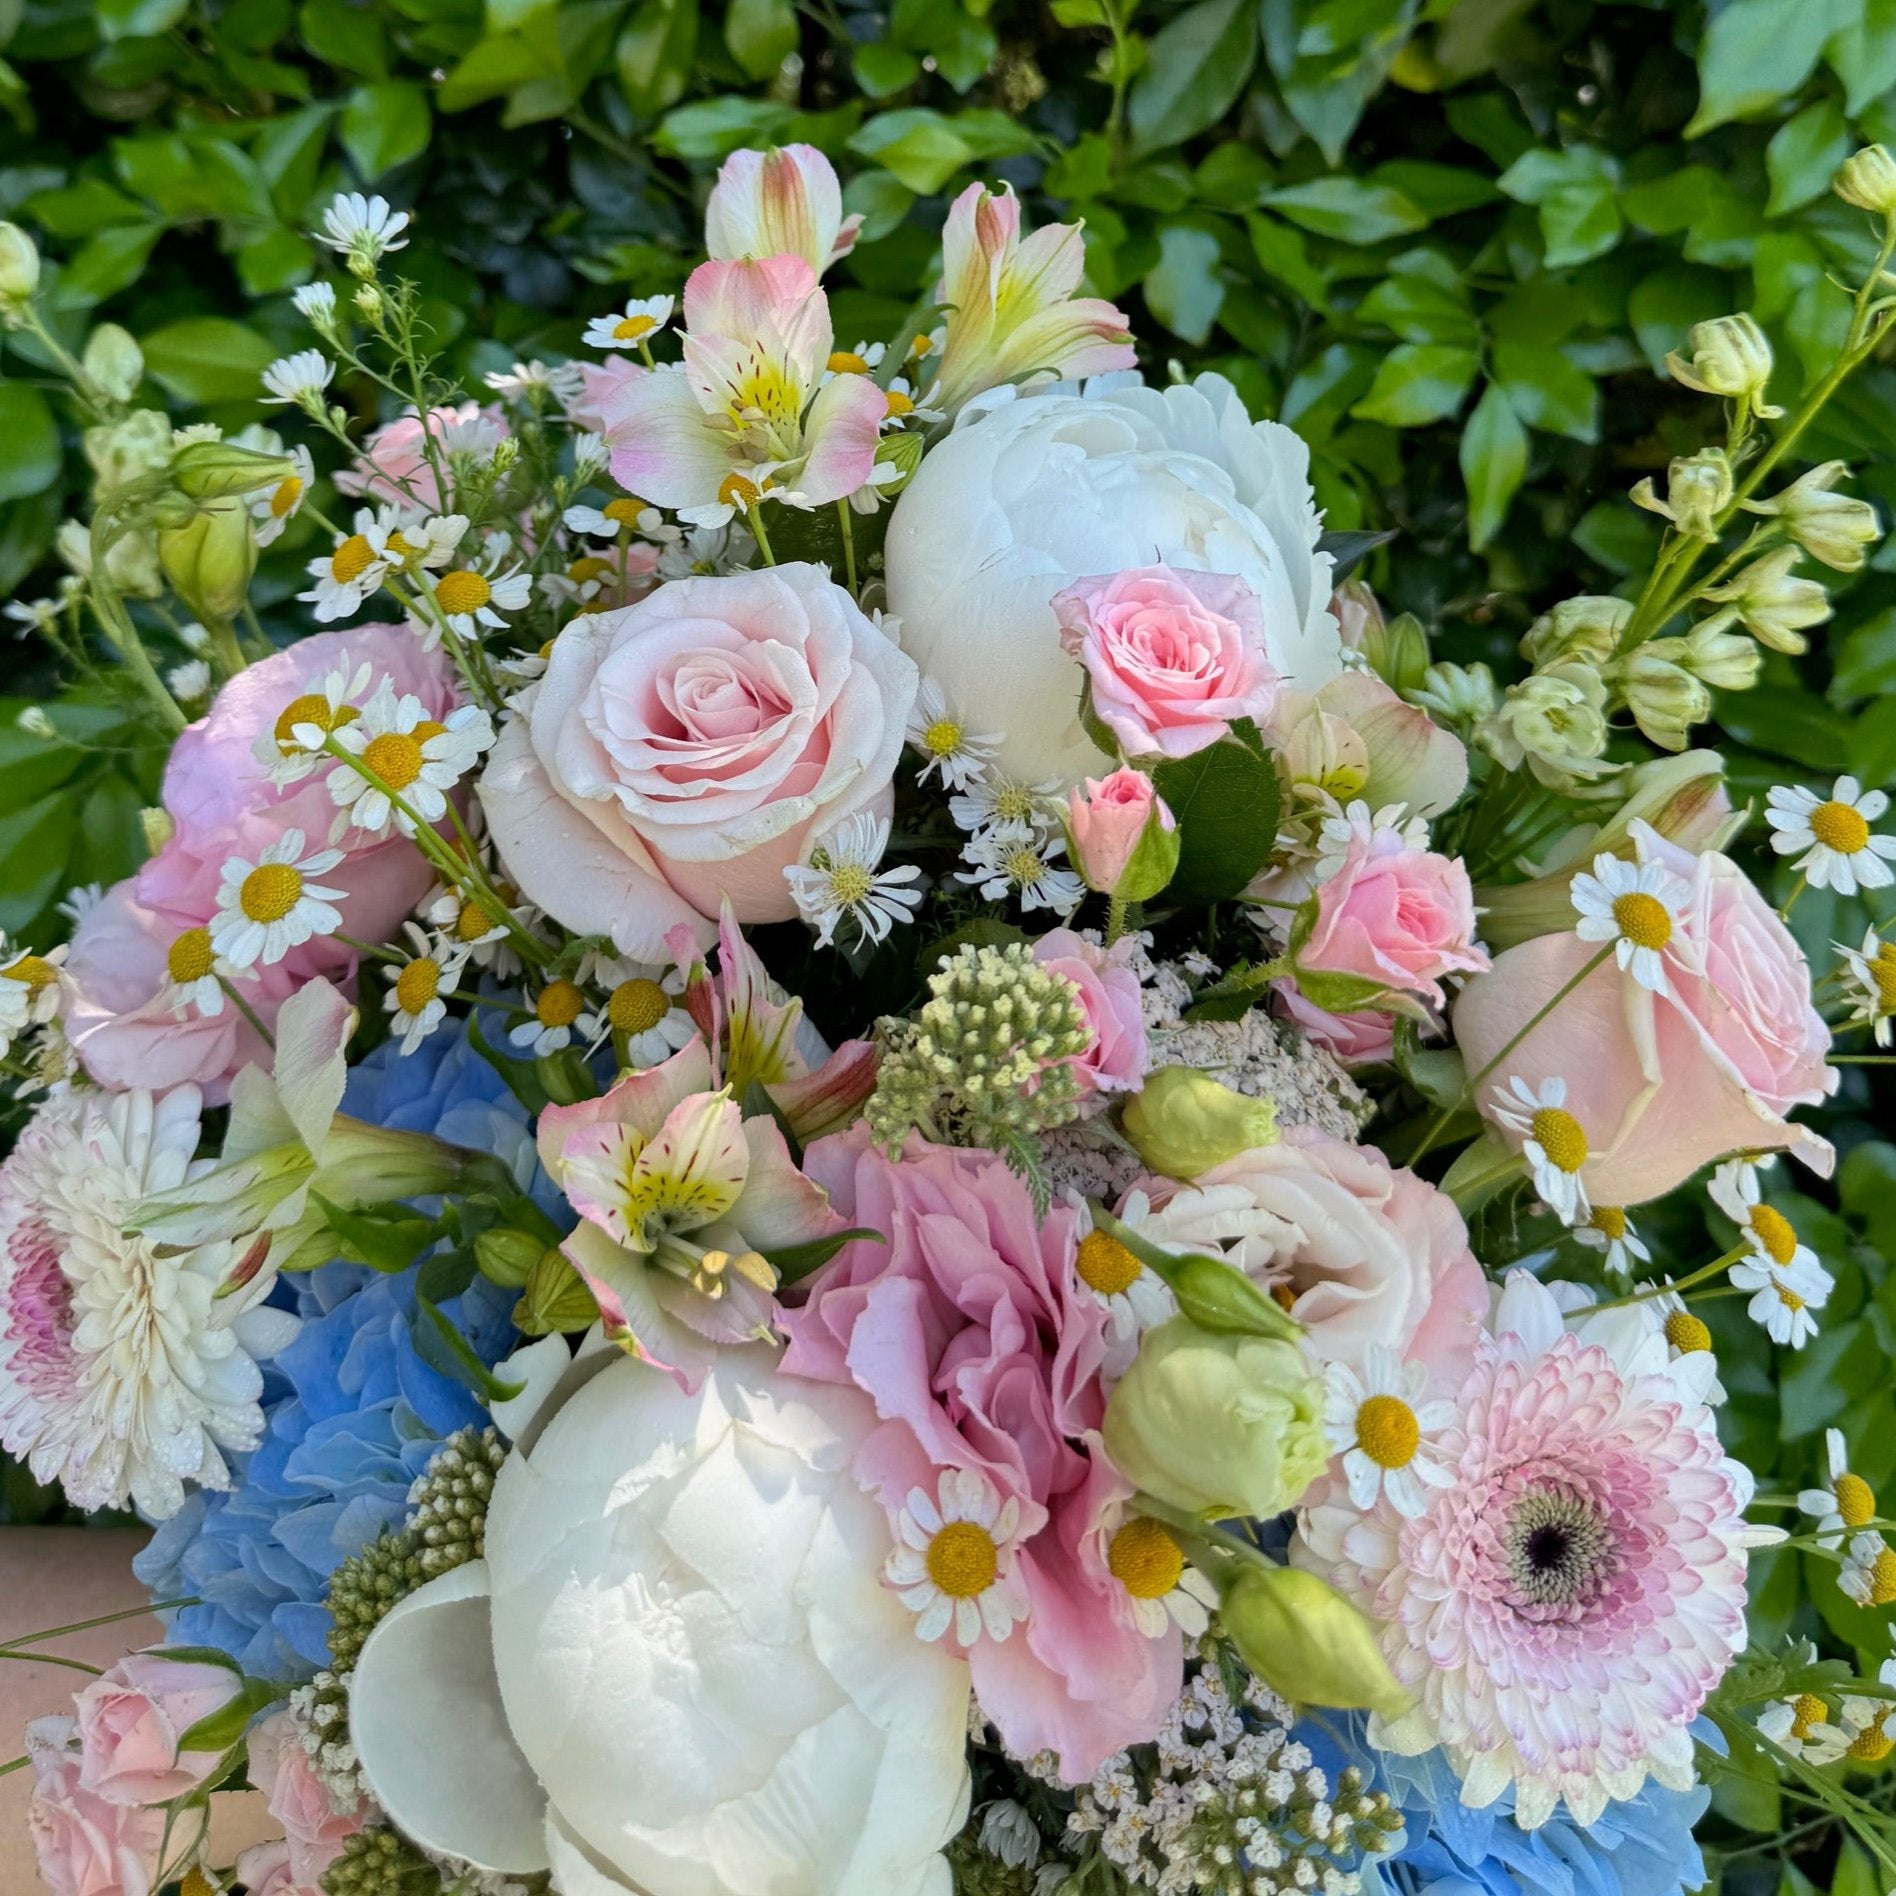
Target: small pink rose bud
[132, 1717]
[1122, 838]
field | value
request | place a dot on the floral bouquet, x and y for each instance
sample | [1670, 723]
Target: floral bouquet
[856, 1146]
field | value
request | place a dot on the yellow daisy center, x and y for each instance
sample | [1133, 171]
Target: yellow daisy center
[636, 1006]
[400, 545]
[849, 883]
[1882, 972]
[473, 922]
[270, 891]
[942, 738]
[462, 592]
[1808, 1711]
[1839, 827]
[1106, 1265]
[625, 511]
[417, 984]
[312, 708]
[1775, 1232]
[847, 362]
[1856, 1500]
[351, 559]
[559, 1004]
[1789, 1298]
[589, 567]
[1609, 1221]
[1145, 1559]
[735, 491]
[1687, 1333]
[963, 1560]
[395, 757]
[1561, 1137]
[189, 957]
[196, 1883]
[1643, 919]
[285, 495]
[919, 348]
[1387, 1431]
[631, 328]
[898, 403]
[1883, 1579]
[34, 972]
[1873, 1744]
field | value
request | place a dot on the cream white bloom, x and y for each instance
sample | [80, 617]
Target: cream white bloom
[553, 1023]
[195, 975]
[316, 304]
[293, 747]
[1095, 481]
[1841, 851]
[617, 517]
[1609, 1231]
[991, 804]
[299, 377]
[1688, 1346]
[266, 908]
[1868, 1575]
[1737, 1191]
[1871, 1719]
[1356, 822]
[356, 565]
[705, 551]
[475, 596]
[954, 1568]
[1158, 1588]
[190, 682]
[710, 1560]
[844, 876]
[1380, 1424]
[947, 746]
[1784, 1299]
[32, 987]
[641, 1006]
[418, 758]
[1555, 1145]
[1638, 907]
[1846, 1503]
[638, 322]
[1136, 1299]
[363, 229]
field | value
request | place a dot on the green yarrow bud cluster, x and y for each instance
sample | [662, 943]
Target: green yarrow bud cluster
[381, 1863]
[366, 1587]
[448, 1503]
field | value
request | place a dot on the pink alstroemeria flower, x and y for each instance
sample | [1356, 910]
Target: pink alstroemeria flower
[747, 411]
[1011, 308]
[781, 202]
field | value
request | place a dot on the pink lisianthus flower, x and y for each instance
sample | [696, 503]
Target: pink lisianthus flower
[132, 1718]
[394, 461]
[315, 1829]
[1115, 1061]
[970, 1330]
[85, 1845]
[1173, 658]
[781, 202]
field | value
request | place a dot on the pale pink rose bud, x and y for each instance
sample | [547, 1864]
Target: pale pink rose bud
[1122, 838]
[132, 1718]
[314, 1826]
[784, 202]
[84, 1845]
[1173, 658]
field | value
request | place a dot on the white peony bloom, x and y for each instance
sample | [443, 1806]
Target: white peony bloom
[1031, 491]
[677, 1672]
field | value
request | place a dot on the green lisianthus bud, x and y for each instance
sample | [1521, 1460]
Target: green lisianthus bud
[1184, 1122]
[1308, 1643]
[209, 560]
[1218, 1423]
[507, 1257]
[1867, 179]
[555, 1299]
[219, 470]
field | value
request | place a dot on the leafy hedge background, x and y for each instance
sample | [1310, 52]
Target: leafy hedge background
[1449, 240]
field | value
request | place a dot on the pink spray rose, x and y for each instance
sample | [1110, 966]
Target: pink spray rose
[267, 1869]
[691, 747]
[394, 462]
[1108, 820]
[1361, 1038]
[1172, 657]
[1115, 1062]
[314, 1829]
[131, 1719]
[85, 1845]
[982, 1349]
[1664, 1083]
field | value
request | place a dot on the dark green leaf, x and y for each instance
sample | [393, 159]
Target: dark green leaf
[1493, 463]
[384, 1238]
[1185, 289]
[208, 359]
[796, 1261]
[442, 1347]
[223, 1728]
[1804, 154]
[384, 126]
[1756, 52]
[29, 441]
[1348, 208]
[1224, 798]
[761, 34]
[1418, 382]
[1195, 68]
[1547, 391]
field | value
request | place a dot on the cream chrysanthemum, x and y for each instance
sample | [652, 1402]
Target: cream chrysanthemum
[123, 1372]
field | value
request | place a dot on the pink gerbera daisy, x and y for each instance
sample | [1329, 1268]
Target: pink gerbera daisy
[1561, 1611]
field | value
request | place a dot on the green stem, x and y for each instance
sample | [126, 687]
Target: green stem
[1702, 1275]
[1115, 918]
[249, 1013]
[844, 514]
[1790, 901]
[224, 647]
[104, 1619]
[12, 1765]
[754, 519]
[51, 1659]
[1863, 1059]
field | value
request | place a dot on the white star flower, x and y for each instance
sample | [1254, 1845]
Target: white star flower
[638, 322]
[945, 742]
[842, 878]
[363, 229]
[1020, 864]
[298, 378]
[1554, 1146]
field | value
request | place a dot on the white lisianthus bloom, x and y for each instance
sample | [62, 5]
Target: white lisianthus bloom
[1031, 491]
[677, 1672]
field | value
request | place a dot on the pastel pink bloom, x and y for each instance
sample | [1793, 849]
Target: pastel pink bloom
[781, 202]
[314, 1828]
[1355, 737]
[683, 751]
[268, 1869]
[130, 1721]
[1562, 1610]
[1115, 1062]
[600, 384]
[1106, 817]
[394, 462]
[1399, 917]
[757, 344]
[1363, 1038]
[1662, 1084]
[1173, 658]
[971, 1332]
[85, 1845]
[1368, 1252]
[1011, 312]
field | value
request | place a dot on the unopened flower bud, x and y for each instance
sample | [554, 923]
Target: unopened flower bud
[114, 361]
[1698, 489]
[1122, 838]
[1586, 627]
[507, 1257]
[158, 826]
[1664, 698]
[217, 470]
[368, 302]
[1771, 602]
[1554, 723]
[1456, 694]
[1397, 650]
[209, 560]
[1727, 661]
[1184, 1122]
[120, 451]
[1308, 1643]
[1867, 179]
[1730, 357]
[1834, 528]
[19, 269]
[555, 1299]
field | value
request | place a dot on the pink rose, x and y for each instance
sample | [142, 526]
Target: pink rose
[1108, 819]
[314, 1829]
[267, 1869]
[131, 1719]
[394, 462]
[1362, 1038]
[1115, 1062]
[85, 1845]
[982, 1351]
[1663, 1083]
[691, 747]
[1368, 1252]
[1173, 658]
[1394, 916]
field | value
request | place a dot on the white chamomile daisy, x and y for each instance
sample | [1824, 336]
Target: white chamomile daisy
[1638, 907]
[416, 998]
[904, 404]
[1846, 1503]
[861, 359]
[299, 378]
[555, 1018]
[363, 228]
[266, 908]
[1554, 1143]
[1871, 1719]
[407, 755]
[195, 975]
[1870, 984]
[639, 321]
[1135, 1298]
[357, 564]
[1737, 1191]
[484, 938]
[641, 1011]
[1006, 806]
[842, 878]
[1840, 850]
[1020, 864]
[1803, 1727]
[945, 743]
[740, 493]
[953, 1565]
[1868, 1575]
[627, 514]
[274, 507]
[1157, 1588]
[190, 682]
[293, 747]
[474, 596]
[1609, 1230]
[30, 988]
[1380, 1425]
[1689, 1346]
[523, 379]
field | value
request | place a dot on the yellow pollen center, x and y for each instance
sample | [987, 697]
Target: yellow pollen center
[626, 512]
[898, 403]
[1808, 1712]
[1883, 1579]
[559, 1004]
[189, 957]
[462, 592]
[285, 495]
[849, 883]
[351, 559]
[919, 348]
[963, 1560]
[1387, 1431]
[400, 545]
[735, 491]
[417, 985]
[1106, 1265]
[196, 1883]
[631, 328]
[1839, 827]
[473, 922]
[1856, 1501]
[427, 730]
[1561, 1137]
[270, 891]
[589, 567]
[1610, 1222]
[637, 1005]
[1012, 804]
[313, 708]
[942, 738]
[1687, 1333]
[847, 362]
[1145, 1559]
[1883, 977]
[1789, 1298]
[1024, 866]
[1873, 1744]
[1775, 1232]
[395, 757]
[1643, 919]
[34, 972]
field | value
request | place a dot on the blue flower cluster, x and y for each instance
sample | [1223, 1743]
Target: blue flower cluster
[352, 1411]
